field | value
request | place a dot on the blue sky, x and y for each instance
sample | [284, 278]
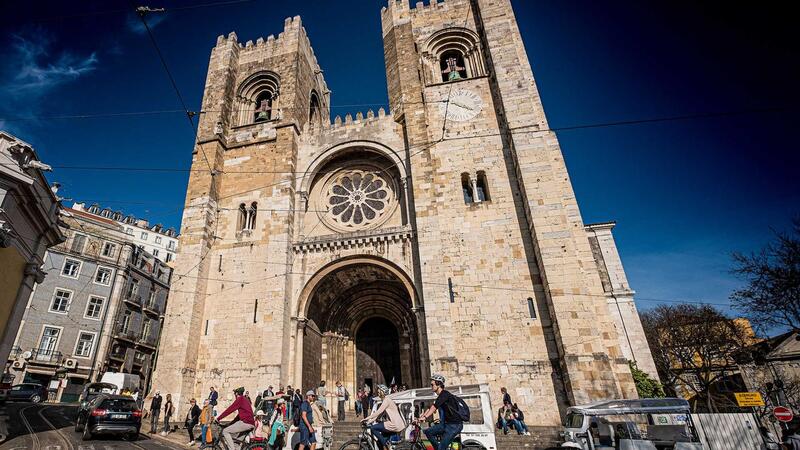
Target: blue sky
[685, 194]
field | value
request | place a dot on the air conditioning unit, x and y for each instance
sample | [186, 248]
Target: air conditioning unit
[18, 364]
[27, 355]
[70, 363]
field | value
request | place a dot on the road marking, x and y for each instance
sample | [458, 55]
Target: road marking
[58, 432]
[34, 438]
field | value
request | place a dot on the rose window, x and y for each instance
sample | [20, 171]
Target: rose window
[357, 198]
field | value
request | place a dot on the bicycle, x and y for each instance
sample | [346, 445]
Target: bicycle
[241, 441]
[368, 441]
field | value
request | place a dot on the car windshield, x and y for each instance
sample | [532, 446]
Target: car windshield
[574, 420]
[120, 404]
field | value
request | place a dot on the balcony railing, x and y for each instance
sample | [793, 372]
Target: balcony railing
[135, 300]
[149, 341]
[46, 356]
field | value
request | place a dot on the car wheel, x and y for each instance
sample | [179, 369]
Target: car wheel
[87, 435]
[78, 426]
[36, 398]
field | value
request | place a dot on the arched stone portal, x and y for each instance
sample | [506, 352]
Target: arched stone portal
[361, 326]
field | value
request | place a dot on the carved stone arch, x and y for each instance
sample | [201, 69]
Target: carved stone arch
[306, 294]
[454, 39]
[262, 85]
[367, 146]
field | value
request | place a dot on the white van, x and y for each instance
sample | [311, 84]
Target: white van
[122, 381]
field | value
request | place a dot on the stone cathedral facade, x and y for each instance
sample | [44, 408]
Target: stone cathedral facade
[440, 236]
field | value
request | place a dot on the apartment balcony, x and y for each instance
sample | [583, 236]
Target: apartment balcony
[148, 341]
[43, 356]
[152, 309]
[125, 334]
[134, 300]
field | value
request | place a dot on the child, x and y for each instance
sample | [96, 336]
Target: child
[206, 417]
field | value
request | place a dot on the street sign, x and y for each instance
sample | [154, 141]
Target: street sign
[783, 413]
[747, 399]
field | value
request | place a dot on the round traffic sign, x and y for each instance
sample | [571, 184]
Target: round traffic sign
[783, 413]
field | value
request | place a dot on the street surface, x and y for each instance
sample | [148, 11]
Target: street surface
[52, 427]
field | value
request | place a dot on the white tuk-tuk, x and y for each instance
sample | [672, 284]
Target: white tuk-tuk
[643, 424]
[478, 433]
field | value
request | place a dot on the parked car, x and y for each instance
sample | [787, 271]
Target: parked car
[27, 392]
[109, 414]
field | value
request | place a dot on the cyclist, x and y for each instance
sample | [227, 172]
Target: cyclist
[244, 412]
[450, 424]
[383, 430]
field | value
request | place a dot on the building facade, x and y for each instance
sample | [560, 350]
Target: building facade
[70, 331]
[441, 237]
[28, 227]
[157, 240]
[620, 296]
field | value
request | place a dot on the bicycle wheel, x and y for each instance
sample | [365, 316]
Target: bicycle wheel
[355, 444]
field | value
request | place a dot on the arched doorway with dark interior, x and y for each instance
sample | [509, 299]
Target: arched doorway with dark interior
[361, 328]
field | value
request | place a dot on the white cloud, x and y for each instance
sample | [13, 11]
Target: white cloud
[35, 73]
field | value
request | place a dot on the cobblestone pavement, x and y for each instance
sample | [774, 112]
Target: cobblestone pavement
[47, 426]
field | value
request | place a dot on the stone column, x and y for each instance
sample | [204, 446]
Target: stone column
[298, 362]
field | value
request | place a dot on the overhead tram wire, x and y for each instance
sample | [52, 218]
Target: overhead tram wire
[142, 11]
[121, 11]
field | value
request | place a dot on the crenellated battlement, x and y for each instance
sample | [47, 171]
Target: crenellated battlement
[349, 123]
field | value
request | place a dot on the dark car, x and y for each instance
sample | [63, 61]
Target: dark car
[109, 414]
[27, 392]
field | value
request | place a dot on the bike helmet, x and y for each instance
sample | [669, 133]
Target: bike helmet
[239, 391]
[383, 388]
[437, 378]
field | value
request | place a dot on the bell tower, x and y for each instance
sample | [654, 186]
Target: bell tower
[495, 212]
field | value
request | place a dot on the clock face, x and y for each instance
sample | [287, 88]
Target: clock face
[464, 105]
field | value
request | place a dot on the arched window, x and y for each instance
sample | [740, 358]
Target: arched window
[466, 187]
[251, 216]
[453, 54]
[241, 222]
[314, 116]
[257, 98]
[482, 187]
[452, 65]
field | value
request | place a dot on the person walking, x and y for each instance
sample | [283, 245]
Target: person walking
[341, 398]
[244, 411]
[155, 412]
[357, 403]
[169, 409]
[450, 424]
[269, 403]
[289, 399]
[366, 400]
[206, 417]
[192, 418]
[297, 400]
[212, 397]
[307, 437]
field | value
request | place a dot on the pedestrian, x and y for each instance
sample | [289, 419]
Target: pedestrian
[169, 409]
[792, 441]
[244, 412]
[322, 394]
[270, 403]
[506, 396]
[155, 411]
[212, 397]
[520, 417]
[450, 424]
[247, 396]
[289, 395]
[206, 417]
[307, 437]
[770, 440]
[192, 418]
[342, 396]
[359, 396]
[297, 400]
[258, 402]
[365, 401]
[276, 425]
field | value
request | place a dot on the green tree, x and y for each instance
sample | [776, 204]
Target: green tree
[645, 385]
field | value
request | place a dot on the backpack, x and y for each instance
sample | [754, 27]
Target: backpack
[462, 410]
